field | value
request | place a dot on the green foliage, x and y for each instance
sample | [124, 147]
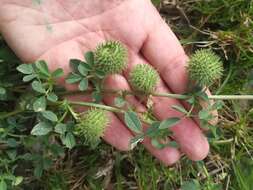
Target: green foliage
[111, 57]
[205, 67]
[191, 185]
[244, 174]
[133, 122]
[144, 78]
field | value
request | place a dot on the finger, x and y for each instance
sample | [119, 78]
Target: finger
[186, 133]
[167, 155]
[116, 134]
[163, 50]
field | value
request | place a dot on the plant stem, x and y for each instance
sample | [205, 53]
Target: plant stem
[231, 97]
[223, 141]
[126, 92]
[104, 107]
[176, 96]
[6, 115]
[168, 95]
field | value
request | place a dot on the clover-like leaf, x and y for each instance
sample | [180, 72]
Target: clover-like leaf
[52, 97]
[30, 77]
[25, 69]
[57, 73]
[42, 67]
[50, 116]
[168, 123]
[89, 57]
[41, 128]
[82, 69]
[40, 104]
[60, 128]
[38, 87]
[180, 109]
[73, 78]
[83, 85]
[132, 121]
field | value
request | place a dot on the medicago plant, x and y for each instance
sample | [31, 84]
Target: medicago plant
[55, 119]
[57, 115]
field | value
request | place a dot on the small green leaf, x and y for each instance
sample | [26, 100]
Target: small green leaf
[217, 105]
[73, 78]
[157, 144]
[173, 144]
[25, 69]
[11, 142]
[12, 154]
[42, 67]
[3, 185]
[57, 150]
[153, 130]
[38, 171]
[69, 140]
[100, 74]
[74, 64]
[57, 73]
[26, 157]
[2, 91]
[50, 116]
[60, 128]
[17, 181]
[82, 69]
[168, 123]
[87, 67]
[97, 97]
[119, 102]
[52, 97]
[47, 163]
[203, 95]
[38, 87]
[180, 109]
[133, 122]
[191, 100]
[191, 185]
[40, 104]
[83, 85]
[28, 78]
[41, 128]
[134, 141]
[89, 57]
[205, 115]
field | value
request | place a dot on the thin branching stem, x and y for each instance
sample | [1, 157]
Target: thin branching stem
[231, 97]
[168, 95]
[104, 107]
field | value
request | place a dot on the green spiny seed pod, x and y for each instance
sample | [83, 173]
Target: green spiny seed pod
[144, 78]
[111, 57]
[92, 125]
[205, 67]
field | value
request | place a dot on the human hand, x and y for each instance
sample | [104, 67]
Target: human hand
[59, 30]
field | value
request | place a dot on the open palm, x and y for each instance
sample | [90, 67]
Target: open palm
[58, 30]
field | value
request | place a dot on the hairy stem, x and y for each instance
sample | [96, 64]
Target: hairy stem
[6, 115]
[104, 107]
[107, 108]
[231, 97]
[168, 95]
